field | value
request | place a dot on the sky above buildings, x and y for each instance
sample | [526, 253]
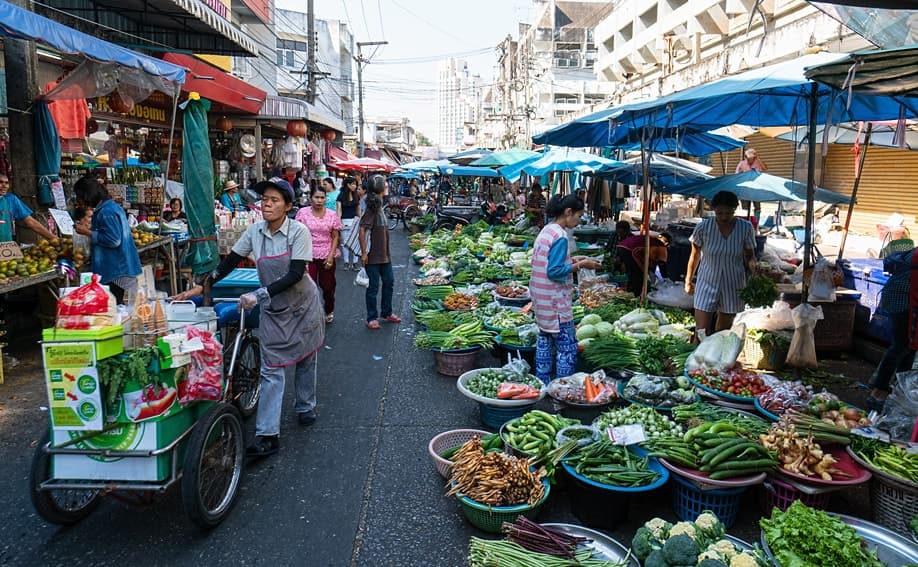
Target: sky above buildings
[401, 77]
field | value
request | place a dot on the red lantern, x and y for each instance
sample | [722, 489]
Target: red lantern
[118, 104]
[224, 124]
[329, 135]
[297, 128]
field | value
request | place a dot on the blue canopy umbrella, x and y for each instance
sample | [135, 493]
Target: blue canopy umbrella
[566, 159]
[693, 144]
[665, 172]
[404, 175]
[468, 156]
[467, 171]
[426, 165]
[754, 186]
[504, 157]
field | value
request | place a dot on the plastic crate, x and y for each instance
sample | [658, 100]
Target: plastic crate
[776, 493]
[866, 275]
[894, 504]
[689, 501]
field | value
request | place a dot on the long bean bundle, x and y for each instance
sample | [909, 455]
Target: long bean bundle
[502, 553]
[606, 463]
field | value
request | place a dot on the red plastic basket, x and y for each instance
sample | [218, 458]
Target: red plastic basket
[776, 493]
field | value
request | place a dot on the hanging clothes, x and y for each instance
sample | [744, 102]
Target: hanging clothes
[70, 115]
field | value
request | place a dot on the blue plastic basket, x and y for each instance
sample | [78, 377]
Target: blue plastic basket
[689, 501]
[494, 417]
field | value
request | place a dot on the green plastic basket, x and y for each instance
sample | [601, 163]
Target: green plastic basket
[490, 518]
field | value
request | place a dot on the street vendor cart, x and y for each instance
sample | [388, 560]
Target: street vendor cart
[140, 442]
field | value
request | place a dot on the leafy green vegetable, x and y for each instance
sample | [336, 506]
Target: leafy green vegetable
[760, 291]
[798, 538]
[134, 365]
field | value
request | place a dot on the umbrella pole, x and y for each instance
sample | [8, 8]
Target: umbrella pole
[810, 188]
[645, 164]
[857, 182]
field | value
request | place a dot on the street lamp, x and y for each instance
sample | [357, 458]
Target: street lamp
[360, 63]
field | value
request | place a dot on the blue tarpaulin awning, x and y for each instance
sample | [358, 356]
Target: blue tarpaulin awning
[468, 171]
[755, 186]
[23, 24]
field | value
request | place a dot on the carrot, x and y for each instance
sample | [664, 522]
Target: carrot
[589, 389]
[527, 308]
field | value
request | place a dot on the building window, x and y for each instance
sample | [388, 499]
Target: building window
[280, 57]
[290, 59]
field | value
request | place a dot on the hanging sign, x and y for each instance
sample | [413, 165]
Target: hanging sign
[155, 110]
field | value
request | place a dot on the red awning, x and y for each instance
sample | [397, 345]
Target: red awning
[228, 92]
[335, 154]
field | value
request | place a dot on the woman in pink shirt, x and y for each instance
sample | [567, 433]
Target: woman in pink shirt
[325, 228]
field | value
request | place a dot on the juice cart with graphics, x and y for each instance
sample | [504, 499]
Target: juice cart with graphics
[131, 418]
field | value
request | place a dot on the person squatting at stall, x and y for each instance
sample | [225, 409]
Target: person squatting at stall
[325, 228]
[291, 325]
[894, 298]
[630, 252]
[551, 285]
[12, 209]
[373, 237]
[114, 255]
[723, 248]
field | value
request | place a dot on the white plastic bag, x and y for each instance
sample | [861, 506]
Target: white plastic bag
[671, 294]
[362, 278]
[822, 284]
[901, 408]
[778, 317]
[802, 351]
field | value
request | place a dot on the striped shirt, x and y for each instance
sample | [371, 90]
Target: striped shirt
[722, 271]
[551, 299]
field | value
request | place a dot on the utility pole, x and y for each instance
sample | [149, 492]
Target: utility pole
[21, 62]
[310, 53]
[360, 63]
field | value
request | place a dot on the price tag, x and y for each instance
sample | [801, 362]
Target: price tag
[627, 434]
[10, 251]
[63, 221]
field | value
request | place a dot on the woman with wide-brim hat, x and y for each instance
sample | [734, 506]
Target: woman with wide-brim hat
[231, 199]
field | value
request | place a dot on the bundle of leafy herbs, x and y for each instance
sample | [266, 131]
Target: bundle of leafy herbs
[760, 291]
[677, 315]
[663, 356]
[133, 365]
[769, 339]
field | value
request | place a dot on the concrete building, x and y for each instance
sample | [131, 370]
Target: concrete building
[546, 74]
[335, 87]
[457, 104]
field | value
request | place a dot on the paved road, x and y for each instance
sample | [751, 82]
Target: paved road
[356, 489]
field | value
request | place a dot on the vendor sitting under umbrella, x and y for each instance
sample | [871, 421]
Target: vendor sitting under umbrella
[631, 251]
[12, 209]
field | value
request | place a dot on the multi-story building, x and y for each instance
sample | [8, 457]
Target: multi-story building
[546, 74]
[334, 85]
[649, 49]
[457, 103]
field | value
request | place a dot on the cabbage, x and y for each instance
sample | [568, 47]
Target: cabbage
[586, 332]
[591, 319]
[604, 329]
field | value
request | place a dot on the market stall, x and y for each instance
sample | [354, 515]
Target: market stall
[647, 411]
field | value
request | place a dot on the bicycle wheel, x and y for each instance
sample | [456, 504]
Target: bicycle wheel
[392, 216]
[247, 376]
[410, 213]
[214, 459]
[62, 507]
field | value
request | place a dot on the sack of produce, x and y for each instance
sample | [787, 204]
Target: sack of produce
[802, 352]
[718, 351]
[87, 307]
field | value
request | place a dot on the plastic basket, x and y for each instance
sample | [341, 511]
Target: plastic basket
[894, 504]
[455, 363]
[764, 357]
[494, 417]
[689, 501]
[490, 518]
[447, 440]
[776, 493]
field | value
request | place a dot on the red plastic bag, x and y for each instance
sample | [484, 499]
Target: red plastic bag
[516, 391]
[205, 373]
[88, 306]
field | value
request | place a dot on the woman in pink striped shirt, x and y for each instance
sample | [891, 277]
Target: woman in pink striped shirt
[551, 286]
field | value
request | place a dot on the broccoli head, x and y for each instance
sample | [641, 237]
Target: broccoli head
[681, 549]
[708, 562]
[656, 559]
[644, 543]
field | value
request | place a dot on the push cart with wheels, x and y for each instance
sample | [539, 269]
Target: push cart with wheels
[201, 447]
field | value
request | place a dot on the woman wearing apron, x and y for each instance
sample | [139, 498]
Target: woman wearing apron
[292, 325]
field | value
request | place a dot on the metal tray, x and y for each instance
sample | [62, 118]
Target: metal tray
[610, 549]
[892, 549]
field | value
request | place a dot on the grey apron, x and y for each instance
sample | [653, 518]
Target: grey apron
[292, 324]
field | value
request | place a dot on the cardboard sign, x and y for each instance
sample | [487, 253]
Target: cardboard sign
[10, 251]
[63, 221]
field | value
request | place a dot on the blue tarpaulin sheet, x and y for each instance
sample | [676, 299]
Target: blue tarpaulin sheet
[23, 24]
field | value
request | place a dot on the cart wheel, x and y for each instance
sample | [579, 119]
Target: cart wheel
[213, 466]
[410, 213]
[247, 377]
[63, 507]
[392, 215]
